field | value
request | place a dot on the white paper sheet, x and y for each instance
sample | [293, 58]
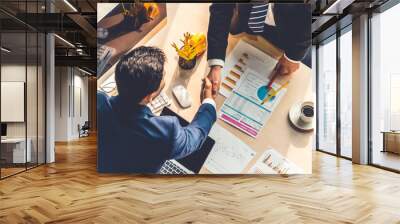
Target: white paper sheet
[229, 155]
[256, 59]
[244, 109]
[272, 162]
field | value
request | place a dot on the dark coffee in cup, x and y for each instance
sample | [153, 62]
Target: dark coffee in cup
[308, 111]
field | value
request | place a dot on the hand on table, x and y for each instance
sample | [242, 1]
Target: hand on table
[215, 77]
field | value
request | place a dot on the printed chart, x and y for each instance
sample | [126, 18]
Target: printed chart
[246, 108]
[249, 102]
[244, 56]
[272, 162]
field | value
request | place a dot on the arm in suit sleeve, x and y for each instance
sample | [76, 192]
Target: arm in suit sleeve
[295, 30]
[186, 140]
[218, 30]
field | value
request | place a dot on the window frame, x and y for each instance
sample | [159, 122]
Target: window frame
[27, 29]
[334, 37]
[378, 10]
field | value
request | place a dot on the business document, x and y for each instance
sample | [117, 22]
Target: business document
[245, 108]
[229, 155]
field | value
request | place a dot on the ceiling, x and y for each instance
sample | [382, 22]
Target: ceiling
[16, 42]
[332, 15]
[72, 20]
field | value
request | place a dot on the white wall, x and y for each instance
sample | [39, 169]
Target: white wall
[61, 103]
[71, 102]
[80, 110]
[12, 73]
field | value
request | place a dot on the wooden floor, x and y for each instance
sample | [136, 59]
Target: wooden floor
[5, 172]
[387, 159]
[70, 191]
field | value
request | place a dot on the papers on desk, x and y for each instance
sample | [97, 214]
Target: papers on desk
[244, 108]
[229, 155]
[272, 162]
[244, 56]
[244, 79]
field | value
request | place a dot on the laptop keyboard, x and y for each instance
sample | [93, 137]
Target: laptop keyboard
[170, 167]
[104, 54]
[159, 103]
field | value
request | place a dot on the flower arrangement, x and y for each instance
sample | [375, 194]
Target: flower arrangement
[194, 44]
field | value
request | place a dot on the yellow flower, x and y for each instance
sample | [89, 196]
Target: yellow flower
[193, 45]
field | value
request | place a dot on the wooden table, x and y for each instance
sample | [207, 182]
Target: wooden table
[277, 133]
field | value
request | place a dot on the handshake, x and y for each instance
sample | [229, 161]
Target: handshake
[211, 83]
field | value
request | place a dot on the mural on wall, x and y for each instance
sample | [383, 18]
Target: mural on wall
[201, 96]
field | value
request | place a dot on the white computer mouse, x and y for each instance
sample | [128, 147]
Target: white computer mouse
[182, 95]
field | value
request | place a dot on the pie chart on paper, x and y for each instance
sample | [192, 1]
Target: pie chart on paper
[262, 93]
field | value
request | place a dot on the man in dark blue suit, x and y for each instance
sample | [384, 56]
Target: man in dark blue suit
[287, 25]
[131, 138]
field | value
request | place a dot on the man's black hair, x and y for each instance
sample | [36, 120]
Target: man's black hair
[139, 73]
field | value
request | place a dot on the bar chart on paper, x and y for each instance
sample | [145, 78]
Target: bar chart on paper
[272, 162]
[244, 56]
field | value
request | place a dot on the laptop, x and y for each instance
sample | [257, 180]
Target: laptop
[192, 163]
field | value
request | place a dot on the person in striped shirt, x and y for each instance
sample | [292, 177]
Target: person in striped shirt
[286, 25]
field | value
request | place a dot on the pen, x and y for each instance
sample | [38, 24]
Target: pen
[266, 99]
[274, 93]
[274, 75]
